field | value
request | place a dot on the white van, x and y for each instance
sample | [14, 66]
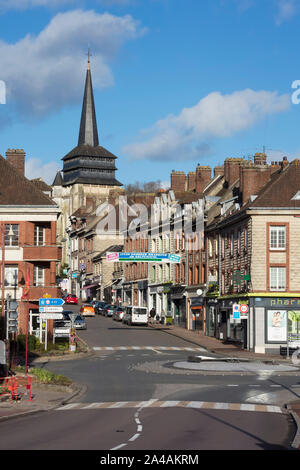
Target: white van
[136, 315]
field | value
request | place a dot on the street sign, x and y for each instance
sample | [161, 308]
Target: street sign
[51, 316]
[51, 302]
[51, 309]
[236, 311]
[143, 257]
[244, 309]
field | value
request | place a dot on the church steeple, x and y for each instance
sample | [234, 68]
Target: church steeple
[89, 163]
[88, 133]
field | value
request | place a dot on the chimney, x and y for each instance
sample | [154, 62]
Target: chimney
[252, 179]
[284, 162]
[218, 170]
[232, 169]
[178, 181]
[16, 157]
[191, 181]
[203, 177]
[260, 159]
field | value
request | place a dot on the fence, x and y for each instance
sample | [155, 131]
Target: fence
[16, 387]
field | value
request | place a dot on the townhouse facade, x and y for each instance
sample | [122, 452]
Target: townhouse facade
[30, 252]
[252, 257]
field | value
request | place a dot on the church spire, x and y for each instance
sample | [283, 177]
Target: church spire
[88, 133]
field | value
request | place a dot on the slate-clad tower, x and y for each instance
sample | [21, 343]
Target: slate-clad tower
[89, 163]
[88, 170]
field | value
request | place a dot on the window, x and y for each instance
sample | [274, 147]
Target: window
[239, 242]
[11, 276]
[39, 235]
[231, 244]
[38, 276]
[245, 239]
[278, 278]
[153, 274]
[11, 235]
[277, 238]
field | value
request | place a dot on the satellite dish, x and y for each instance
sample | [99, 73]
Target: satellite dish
[199, 291]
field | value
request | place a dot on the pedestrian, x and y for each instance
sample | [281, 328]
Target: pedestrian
[152, 314]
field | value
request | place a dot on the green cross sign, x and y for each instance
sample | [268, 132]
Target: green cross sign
[237, 277]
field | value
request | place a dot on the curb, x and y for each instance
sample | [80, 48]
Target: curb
[78, 390]
[296, 417]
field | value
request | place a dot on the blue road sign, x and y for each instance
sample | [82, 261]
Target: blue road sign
[48, 302]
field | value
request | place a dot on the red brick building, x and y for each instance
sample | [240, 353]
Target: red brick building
[28, 217]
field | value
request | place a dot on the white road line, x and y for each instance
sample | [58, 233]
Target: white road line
[195, 404]
[221, 406]
[133, 438]
[139, 428]
[91, 405]
[119, 447]
[169, 403]
[118, 404]
[245, 407]
[274, 409]
[154, 402]
[232, 385]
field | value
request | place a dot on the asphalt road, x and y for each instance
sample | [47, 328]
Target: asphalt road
[134, 399]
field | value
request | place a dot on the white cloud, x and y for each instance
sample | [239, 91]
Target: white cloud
[36, 168]
[287, 9]
[45, 72]
[188, 135]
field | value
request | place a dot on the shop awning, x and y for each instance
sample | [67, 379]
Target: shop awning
[91, 285]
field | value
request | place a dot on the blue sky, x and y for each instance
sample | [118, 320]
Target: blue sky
[176, 82]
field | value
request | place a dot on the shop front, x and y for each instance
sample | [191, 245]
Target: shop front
[229, 328]
[178, 299]
[143, 293]
[276, 323]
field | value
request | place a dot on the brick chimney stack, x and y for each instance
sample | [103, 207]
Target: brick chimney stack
[178, 181]
[232, 169]
[260, 159]
[218, 170]
[16, 157]
[203, 177]
[252, 179]
[191, 180]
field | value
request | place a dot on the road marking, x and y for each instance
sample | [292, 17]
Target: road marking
[119, 447]
[133, 438]
[155, 403]
[141, 348]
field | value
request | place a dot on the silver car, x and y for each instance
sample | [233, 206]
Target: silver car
[80, 323]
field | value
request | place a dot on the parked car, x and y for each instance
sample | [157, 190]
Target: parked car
[80, 323]
[98, 306]
[87, 310]
[66, 314]
[104, 308]
[118, 314]
[71, 299]
[109, 310]
[136, 315]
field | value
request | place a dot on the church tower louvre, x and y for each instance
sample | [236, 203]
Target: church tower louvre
[89, 163]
